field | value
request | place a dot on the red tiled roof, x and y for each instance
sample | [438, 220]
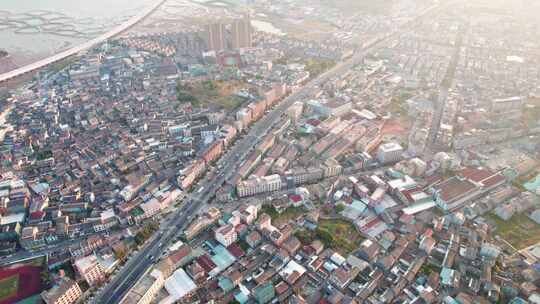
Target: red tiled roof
[293, 277]
[308, 250]
[37, 215]
[475, 174]
[240, 228]
[313, 122]
[432, 179]
[235, 250]
[206, 263]
[454, 187]
[495, 179]
[295, 198]
[317, 263]
[281, 287]
[406, 218]
[182, 252]
[408, 193]
[371, 223]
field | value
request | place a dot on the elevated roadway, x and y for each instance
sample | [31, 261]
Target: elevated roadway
[33, 67]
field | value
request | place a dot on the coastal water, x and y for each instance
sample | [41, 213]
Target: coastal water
[34, 29]
[76, 8]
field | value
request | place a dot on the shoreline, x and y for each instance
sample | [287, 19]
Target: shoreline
[124, 27]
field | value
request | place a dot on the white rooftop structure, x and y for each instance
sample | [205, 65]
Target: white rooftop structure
[386, 202]
[354, 210]
[12, 218]
[414, 209]
[150, 206]
[507, 99]
[178, 285]
[402, 183]
[108, 263]
[82, 264]
[389, 152]
[291, 267]
[107, 214]
[390, 147]
[535, 216]
[365, 113]
[534, 298]
[516, 59]
[337, 259]
[535, 251]
[176, 246]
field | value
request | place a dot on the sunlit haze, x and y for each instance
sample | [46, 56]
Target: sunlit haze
[270, 151]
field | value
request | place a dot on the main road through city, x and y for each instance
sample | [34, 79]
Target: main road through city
[199, 198]
[138, 264]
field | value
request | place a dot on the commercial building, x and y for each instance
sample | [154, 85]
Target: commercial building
[150, 208]
[178, 286]
[331, 167]
[242, 33]
[213, 151]
[202, 222]
[226, 235]
[331, 108]
[215, 37]
[66, 291]
[90, 269]
[146, 289]
[470, 183]
[389, 153]
[189, 174]
[295, 111]
[300, 176]
[258, 185]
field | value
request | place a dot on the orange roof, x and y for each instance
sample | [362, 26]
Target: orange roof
[475, 174]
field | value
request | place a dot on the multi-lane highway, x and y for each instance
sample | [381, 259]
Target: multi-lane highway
[229, 162]
[444, 89]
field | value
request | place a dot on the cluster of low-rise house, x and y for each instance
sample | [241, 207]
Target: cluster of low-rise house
[96, 151]
[103, 146]
[409, 252]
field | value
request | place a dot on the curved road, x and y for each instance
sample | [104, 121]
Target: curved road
[83, 47]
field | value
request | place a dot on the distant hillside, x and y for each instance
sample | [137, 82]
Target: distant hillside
[3, 53]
